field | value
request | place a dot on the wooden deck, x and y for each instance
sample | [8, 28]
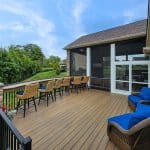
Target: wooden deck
[78, 121]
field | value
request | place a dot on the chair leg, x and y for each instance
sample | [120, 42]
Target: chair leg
[68, 89]
[18, 104]
[34, 104]
[51, 94]
[39, 98]
[24, 108]
[28, 104]
[55, 94]
[80, 88]
[47, 98]
[71, 88]
[60, 92]
[63, 90]
[88, 88]
[76, 88]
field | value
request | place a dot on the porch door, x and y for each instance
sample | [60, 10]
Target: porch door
[123, 76]
[131, 76]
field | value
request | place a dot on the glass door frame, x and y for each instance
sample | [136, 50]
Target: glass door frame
[130, 64]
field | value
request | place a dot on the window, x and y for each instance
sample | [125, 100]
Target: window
[131, 50]
[78, 62]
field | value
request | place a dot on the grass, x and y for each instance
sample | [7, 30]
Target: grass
[46, 75]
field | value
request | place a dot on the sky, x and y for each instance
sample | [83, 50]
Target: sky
[52, 24]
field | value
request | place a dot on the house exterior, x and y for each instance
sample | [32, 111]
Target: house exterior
[113, 58]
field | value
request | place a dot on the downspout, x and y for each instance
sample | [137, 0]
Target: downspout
[146, 50]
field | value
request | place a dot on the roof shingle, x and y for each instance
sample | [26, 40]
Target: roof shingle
[128, 31]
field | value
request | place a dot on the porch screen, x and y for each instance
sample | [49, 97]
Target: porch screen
[100, 67]
[78, 62]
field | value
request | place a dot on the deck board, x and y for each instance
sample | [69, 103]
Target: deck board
[76, 121]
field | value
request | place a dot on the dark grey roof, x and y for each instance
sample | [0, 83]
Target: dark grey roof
[128, 31]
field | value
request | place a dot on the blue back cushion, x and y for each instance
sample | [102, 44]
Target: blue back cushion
[142, 112]
[122, 120]
[145, 93]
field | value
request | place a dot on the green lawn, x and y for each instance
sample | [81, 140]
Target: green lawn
[46, 75]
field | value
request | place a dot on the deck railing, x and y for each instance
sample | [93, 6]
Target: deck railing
[9, 93]
[10, 138]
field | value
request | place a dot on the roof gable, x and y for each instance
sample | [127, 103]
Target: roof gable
[128, 31]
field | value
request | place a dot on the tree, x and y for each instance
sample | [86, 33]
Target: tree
[20, 62]
[34, 52]
[54, 63]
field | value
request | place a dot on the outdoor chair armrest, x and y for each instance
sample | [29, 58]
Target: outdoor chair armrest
[143, 124]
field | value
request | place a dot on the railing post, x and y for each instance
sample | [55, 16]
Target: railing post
[27, 144]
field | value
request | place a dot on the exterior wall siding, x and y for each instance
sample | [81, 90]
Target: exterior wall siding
[68, 62]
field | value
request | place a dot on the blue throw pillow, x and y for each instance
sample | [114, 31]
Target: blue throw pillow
[145, 93]
[20, 92]
[142, 112]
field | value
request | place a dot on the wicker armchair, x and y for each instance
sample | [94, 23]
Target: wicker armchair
[47, 90]
[28, 95]
[136, 138]
[76, 83]
[84, 82]
[66, 84]
[57, 87]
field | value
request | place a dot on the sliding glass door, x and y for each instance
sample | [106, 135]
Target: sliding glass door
[140, 76]
[122, 77]
[131, 76]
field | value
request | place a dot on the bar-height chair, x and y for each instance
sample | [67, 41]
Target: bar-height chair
[57, 87]
[84, 82]
[28, 95]
[47, 90]
[66, 84]
[76, 83]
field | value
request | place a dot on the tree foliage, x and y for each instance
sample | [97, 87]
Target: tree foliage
[20, 62]
[54, 63]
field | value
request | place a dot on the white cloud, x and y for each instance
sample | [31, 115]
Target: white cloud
[78, 9]
[33, 21]
[136, 13]
[16, 26]
[77, 14]
[72, 14]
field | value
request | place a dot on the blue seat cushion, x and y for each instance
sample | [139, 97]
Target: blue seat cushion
[122, 120]
[145, 93]
[42, 87]
[127, 121]
[134, 99]
[20, 92]
[142, 112]
[136, 118]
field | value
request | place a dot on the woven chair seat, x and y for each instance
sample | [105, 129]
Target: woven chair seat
[74, 83]
[63, 84]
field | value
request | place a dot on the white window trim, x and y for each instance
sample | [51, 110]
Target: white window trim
[130, 63]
